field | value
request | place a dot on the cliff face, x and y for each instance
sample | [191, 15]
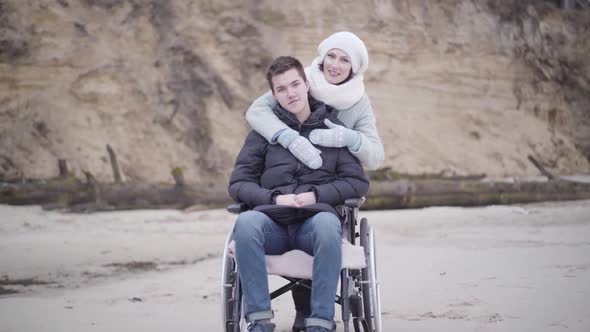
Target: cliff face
[149, 79]
[457, 86]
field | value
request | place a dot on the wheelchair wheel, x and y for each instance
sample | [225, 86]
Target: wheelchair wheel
[370, 285]
[231, 293]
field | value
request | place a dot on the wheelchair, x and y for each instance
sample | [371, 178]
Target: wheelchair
[358, 296]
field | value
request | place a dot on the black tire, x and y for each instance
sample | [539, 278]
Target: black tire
[231, 294]
[234, 319]
[228, 296]
[236, 316]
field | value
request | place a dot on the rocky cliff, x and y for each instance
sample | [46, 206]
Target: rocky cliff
[458, 86]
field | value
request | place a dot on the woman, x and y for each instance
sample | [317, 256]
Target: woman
[336, 78]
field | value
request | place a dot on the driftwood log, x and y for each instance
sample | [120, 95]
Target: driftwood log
[422, 193]
[89, 195]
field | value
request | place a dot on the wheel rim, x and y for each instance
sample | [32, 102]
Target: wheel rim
[242, 318]
[368, 306]
[375, 293]
[225, 293]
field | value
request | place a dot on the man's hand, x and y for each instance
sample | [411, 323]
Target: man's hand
[296, 200]
[306, 198]
[336, 137]
[288, 200]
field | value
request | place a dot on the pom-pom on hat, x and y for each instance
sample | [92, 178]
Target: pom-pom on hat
[349, 43]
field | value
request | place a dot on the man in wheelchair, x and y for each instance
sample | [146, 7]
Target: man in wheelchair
[292, 205]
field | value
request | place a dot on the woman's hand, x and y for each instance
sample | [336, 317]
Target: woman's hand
[336, 137]
[306, 198]
[301, 148]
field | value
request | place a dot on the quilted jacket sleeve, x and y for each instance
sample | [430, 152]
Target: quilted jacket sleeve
[244, 183]
[371, 152]
[350, 181]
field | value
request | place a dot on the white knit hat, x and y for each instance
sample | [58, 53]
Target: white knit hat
[349, 43]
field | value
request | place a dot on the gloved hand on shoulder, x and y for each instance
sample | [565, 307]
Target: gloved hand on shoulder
[301, 148]
[336, 137]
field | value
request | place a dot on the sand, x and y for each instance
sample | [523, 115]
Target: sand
[496, 268]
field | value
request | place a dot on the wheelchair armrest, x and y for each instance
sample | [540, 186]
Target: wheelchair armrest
[354, 202]
[237, 208]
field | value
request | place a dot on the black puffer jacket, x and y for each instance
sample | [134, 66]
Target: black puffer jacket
[263, 170]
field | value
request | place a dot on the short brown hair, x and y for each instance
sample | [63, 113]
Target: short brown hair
[281, 65]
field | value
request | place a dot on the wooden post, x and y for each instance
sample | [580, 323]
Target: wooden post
[114, 164]
[175, 103]
[541, 168]
[95, 188]
[178, 176]
[63, 168]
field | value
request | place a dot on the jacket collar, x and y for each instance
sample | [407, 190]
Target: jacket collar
[319, 112]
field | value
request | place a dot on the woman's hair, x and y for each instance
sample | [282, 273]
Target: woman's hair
[350, 74]
[281, 65]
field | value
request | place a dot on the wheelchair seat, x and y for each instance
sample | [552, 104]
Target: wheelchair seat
[299, 264]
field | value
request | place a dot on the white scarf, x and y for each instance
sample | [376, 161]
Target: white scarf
[341, 96]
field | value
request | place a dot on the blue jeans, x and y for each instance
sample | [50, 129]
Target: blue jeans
[256, 234]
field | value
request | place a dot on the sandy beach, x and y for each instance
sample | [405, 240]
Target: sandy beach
[496, 268]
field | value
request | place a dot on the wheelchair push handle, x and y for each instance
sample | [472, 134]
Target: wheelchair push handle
[354, 202]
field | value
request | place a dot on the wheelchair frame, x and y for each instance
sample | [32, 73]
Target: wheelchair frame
[359, 295]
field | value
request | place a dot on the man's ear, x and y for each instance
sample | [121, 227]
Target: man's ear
[307, 85]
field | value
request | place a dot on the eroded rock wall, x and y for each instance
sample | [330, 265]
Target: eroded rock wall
[148, 78]
[458, 86]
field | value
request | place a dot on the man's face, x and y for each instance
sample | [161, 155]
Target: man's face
[337, 66]
[290, 90]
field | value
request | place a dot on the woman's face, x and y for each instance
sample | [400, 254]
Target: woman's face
[337, 66]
